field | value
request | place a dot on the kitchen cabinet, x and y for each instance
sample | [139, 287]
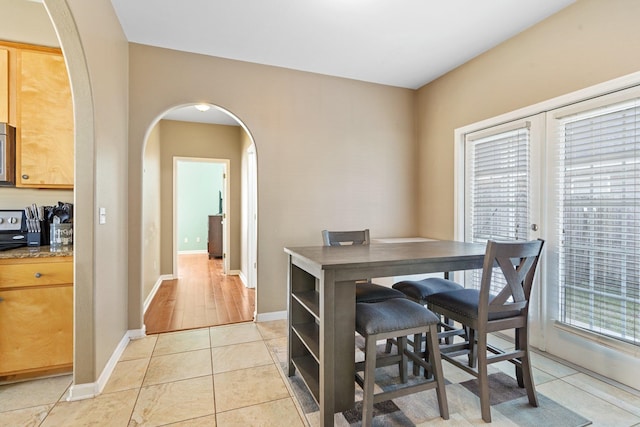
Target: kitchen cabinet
[45, 130]
[4, 85]
[215, 236]
[36, 315]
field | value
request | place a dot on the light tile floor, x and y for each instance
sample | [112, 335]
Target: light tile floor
[231, 376]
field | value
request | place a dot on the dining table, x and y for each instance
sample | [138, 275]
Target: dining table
[321, 305]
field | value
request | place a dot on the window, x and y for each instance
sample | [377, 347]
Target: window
[497, 182]
[581, 191]
[598, 197]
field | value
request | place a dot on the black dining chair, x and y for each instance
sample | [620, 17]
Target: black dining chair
[509, 268]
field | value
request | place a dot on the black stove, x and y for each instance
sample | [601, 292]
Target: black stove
[13, 229]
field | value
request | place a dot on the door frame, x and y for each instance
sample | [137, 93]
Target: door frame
[252, 217]
[226, 163]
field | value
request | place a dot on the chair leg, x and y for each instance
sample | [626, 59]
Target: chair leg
[449, 323]
[473, 347]
[432, 356]
[518, 368]
[522, 342]
[369, 381]
[403, 365]
[387, 348]
[417, 348]
[483, 377]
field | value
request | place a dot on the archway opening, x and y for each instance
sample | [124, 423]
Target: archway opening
[180, 147]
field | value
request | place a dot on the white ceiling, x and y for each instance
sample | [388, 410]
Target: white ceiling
[403, 43]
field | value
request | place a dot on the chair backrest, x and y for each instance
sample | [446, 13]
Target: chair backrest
[340, 238]
[517, 261]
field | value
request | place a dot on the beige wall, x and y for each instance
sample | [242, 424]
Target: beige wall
[151, 212]
[27, 22]
[332, 153]
[96, 52]
[590, 42]
[182, 139]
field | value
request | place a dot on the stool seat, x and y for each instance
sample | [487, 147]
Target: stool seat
[392, 315]
[398, 317]
[419, 290]
[370, 292]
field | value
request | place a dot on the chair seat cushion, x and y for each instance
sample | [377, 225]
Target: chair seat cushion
[392, 315]
[370, 292]
[465, 302]
[419, 290]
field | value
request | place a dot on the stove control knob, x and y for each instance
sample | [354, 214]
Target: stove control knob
[13, 220]
[1, 220]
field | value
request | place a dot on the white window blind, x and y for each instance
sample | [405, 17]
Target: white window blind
[599, 219]
[497, 187]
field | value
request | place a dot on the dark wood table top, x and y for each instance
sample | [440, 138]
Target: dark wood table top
[381, 254]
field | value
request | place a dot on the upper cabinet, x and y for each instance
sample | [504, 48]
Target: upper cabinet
[44, 121]
[35, 98]
[4, 85]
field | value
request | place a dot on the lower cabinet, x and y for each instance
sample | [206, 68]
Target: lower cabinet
[36, 315]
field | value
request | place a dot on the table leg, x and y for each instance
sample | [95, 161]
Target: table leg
[337, 347]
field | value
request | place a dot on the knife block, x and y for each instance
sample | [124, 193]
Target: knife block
[39, 238]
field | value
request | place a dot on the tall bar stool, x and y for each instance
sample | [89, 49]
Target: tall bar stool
[419, 291]
[398, 318]
[366, 291]
[498, 305]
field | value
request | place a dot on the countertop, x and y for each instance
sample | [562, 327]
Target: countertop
[36, 252]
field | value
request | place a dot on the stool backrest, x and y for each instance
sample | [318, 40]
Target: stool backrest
[517, 261]
[341, 238]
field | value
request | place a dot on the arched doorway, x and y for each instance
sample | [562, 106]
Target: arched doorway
[187, 135]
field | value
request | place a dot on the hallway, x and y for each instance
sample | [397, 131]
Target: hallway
[202, 296]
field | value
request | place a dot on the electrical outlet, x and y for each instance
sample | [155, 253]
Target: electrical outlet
[197, 239]
[186, 240]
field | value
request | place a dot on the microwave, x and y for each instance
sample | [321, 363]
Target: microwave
[7, 155]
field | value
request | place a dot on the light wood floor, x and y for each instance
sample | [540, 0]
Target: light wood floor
[202, 296]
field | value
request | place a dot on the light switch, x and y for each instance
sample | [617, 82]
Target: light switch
[102, 217]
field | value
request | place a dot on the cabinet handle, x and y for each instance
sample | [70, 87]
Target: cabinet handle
[38, 275]
[25, 176]
[1, 299]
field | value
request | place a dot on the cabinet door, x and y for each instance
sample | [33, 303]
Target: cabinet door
[4, 85]
[45, 116]
[36, 329]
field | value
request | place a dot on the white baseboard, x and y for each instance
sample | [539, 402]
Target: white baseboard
[243, 278]
[155, 288]
[82, 391]
[195, 251]
[89, 390]
[274, 315]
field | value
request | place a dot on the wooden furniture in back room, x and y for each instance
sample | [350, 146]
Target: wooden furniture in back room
[215, 236]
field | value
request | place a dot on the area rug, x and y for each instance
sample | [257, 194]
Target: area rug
[509, 405]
